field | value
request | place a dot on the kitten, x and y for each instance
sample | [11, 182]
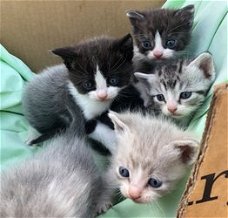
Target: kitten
[178, 88]
[161, 33]
[62, 180]
[152, 155]
[94, 73]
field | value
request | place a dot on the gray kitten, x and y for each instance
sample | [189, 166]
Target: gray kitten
[152, 155]
[179, 87]
[60, 181]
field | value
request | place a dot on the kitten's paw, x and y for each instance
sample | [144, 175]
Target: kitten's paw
[102, 208]
[29, 142]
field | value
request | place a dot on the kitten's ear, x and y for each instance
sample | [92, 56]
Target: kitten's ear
[119, 125]
[65, 52]
[135, 16]
[125, 46]
[186, 14]
[68, 54]
[187, 150]
[205, 63]
[146, 80]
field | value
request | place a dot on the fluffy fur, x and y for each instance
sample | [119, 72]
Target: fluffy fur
[177, 88]
[161, 33]
[148, 156]
[94, 73]
[62, 180]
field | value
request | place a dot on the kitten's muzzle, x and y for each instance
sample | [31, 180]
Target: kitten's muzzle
[134, 193]
[102, 95]
[158, 54]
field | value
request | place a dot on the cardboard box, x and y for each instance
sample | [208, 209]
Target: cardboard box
[207, 189]
[30, 29]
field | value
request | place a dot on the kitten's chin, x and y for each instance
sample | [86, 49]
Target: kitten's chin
[142, 200]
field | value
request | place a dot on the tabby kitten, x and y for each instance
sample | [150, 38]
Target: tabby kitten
[179, 87]
[93, 73]
[148, 164]
[161, 33]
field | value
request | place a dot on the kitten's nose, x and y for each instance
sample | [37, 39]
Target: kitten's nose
[158, 54]
[102, 95]
[172, 109]
[134, 192]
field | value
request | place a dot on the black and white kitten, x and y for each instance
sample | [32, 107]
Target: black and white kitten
[161, 33]
[177, 88]
[94, 73]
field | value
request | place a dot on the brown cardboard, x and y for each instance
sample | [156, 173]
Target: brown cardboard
[207, 190]
[29, 29]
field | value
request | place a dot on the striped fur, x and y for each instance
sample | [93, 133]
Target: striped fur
[168, 81]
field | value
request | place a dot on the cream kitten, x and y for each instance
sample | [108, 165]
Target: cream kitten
[151, 156]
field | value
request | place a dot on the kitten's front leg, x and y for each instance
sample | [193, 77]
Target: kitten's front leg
[103, 134]
[109, 186]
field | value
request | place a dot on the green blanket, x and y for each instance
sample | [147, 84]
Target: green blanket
[209, 34]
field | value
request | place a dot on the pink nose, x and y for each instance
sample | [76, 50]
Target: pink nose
[158, 54]
[172, 109]
[134, 192]
[102, 95]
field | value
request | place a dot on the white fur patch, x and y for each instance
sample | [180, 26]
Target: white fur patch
[102, 92]
[105, 135]
[100, 80]
[90, 107]
[159, 49]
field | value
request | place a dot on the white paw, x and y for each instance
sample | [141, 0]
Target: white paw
[102, 208]
[32, 134]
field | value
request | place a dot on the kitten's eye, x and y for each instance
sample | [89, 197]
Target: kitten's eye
[88, 85]
[171, 43]
[124, 172]
[146, 45]
[185, 95]
[160, 97]
[113, 81]
[155, 183]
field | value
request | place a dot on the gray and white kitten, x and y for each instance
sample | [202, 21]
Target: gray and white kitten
[161, 33]
[93, 73]
[179, 87]
[152, 155]
[62, 180]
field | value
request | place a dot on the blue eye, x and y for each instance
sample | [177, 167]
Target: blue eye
[88, 85]
[146, 44]
[155, 183]
[171, 43]
[124, 172]
[113, 81]
[160, 97]
[185, 95]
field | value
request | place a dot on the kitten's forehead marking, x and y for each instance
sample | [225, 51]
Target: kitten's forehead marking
[100, 80]
[158, 42]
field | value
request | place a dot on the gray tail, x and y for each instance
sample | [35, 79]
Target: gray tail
[77, 125]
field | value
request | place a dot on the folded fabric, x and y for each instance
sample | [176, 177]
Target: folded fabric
[209, 34]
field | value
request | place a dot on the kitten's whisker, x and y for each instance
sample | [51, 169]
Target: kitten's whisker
[116, 64]
[115, 69]
[177, 27]
[83, 70]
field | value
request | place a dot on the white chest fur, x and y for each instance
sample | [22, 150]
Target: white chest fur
[90, 107]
